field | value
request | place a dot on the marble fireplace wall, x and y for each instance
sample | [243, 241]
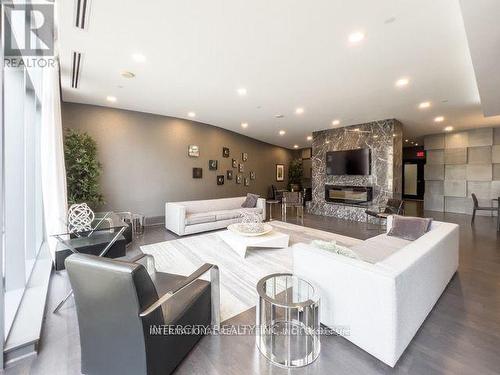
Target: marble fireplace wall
[385, 139]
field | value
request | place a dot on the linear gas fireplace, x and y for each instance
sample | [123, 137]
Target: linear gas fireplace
[348, 194]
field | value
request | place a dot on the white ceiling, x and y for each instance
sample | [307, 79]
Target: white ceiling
[287, 54]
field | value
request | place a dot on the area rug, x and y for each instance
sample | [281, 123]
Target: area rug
[238, 276]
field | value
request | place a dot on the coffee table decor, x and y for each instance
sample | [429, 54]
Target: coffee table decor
[288, 326]
[251, 225]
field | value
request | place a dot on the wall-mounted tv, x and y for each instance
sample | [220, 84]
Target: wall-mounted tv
[349, 162]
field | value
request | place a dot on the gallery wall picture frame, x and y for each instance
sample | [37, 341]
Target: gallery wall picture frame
[225, 152]
[197, 172]
[252, 175]
[193, 151]
[238, 178]
[247, 181]
[212, 165]
[280, 172]
[244, 156]
[229, 175]
[235, 163]
[220, 179]
[241, 168]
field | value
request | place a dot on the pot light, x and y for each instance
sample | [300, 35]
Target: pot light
[439, 119]
[295, 146]
[299, 111]
[406, 140]
[282, 132]
[424, 105]
[448, 129]
[191, 114]
[356, 37]
[139, 57]
[335, 122]
[127, 74]
[309, 138]
[242, 91]
[244, 125]
[416, 144]
[402, 82]
[111, 99]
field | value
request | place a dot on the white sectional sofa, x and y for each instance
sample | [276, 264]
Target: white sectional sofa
[383, 304]
[190, 217]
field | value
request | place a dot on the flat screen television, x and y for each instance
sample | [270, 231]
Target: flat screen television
[349, 162]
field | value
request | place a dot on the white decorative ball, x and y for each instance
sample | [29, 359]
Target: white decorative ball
[80, 218]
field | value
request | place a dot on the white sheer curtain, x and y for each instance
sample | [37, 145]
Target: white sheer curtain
[52, 158]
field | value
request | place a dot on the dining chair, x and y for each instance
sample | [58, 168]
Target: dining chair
[477, 207]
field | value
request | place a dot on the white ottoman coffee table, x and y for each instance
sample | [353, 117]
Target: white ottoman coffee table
[240, 243]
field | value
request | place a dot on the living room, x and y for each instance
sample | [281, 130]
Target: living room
[258, 187]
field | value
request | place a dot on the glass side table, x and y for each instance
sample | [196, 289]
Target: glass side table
[288, 320]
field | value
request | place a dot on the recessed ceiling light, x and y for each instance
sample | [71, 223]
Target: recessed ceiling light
[424, 105]
[390, 20]
[139, 57]
[279, 116]
[416, 144]
[299, 111]
[242, 91]
[356, 37]
[402, 82]
[309, 138]
[282, 132]
[111, 99]
[295, 146]
[244, 125]
[448, 129]
[127, 74]
[335, 122]
[191, 114]
[439, 119]
[406, 140]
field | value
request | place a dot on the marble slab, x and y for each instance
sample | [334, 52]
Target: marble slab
[479, 172]
[495, 154]
[435, 188]
[480, 137]
[434, 202]
[434, 172]
[455, 156]
[434, 142]
[456, 205]
[496, 171]
[455, 188]
[482, 189]
[479, 155]
[457, 140]
[434, 157]
[495, 189]
[455, 172]
[496, 136]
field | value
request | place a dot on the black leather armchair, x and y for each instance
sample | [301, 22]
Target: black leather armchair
[119, 302]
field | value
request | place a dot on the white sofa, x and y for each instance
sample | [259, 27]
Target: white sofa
[190, 217]
[382, 305]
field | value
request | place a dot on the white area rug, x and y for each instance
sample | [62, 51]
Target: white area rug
[238, 276]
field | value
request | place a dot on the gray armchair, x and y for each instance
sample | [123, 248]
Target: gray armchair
[119, 302]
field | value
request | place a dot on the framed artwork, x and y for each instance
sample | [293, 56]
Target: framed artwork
[252, 175]
[229, 175]
[238, 179]
[244, 156]
[220, 180]
[197, 172]
[280, 172]
[240, 167]
[235, 163]
[193, 151]
[212, 165]
[247, 181]
[225, 152]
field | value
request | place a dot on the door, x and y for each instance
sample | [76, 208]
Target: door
[413, 180]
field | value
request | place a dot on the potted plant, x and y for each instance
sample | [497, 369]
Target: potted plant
[82, 169]
[295, 172]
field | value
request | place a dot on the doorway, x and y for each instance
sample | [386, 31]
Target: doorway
[413, 179]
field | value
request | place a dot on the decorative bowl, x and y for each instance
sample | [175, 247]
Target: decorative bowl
[250, 230]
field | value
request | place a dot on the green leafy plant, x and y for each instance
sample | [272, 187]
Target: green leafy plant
[295, 172]
[82, 168]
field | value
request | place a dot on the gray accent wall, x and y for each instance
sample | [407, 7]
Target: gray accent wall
[145, 158]
[459, 164]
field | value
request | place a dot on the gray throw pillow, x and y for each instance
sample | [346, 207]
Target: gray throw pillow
[409, 227]
[251, 201]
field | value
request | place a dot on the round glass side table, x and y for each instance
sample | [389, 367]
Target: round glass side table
[288, 320]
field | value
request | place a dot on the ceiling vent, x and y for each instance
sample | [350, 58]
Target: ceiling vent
[76, 68]
[82, 11]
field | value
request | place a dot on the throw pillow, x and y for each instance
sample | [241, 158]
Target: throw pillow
[409, 227]
[334, 248]
[251, 201]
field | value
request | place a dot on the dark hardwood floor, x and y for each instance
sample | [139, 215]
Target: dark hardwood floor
[460, 336]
